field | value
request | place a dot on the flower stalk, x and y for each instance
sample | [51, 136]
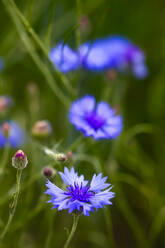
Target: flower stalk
[13, 205]
[72, 232]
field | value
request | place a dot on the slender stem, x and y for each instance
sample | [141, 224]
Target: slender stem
[78, 34]
[50, 234]
[13, 205]
[4, 158]
[40, 44]
[74, 226]
[108, 220]
[30, 48]
[76, 143]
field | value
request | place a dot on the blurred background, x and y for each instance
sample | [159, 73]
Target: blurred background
[134, 163]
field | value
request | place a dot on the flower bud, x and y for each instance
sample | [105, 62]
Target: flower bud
[5, 103]
[58, 157]
[6, 129]
[48, 172]
[112, 74]
[61, 157]
[41, 129]
[70, 156]
[32, 88]
[19, 161]
[85, 24]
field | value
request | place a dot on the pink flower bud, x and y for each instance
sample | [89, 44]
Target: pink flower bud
[19, 161]
[48, 171]
[41, 129]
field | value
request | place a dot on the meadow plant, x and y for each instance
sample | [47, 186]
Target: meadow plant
[69, 68]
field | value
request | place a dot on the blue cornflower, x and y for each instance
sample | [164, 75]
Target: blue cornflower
[64, 58]
[96, 120]
[15, 135]
[113, 53]
[79, 195]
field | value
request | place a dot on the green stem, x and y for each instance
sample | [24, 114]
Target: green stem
[108, 220]
[4, 158]
[50, 233]
[40, 44]
[74, 226]
[78, 34]
[30, 48]
[76, 143]
[13, 206]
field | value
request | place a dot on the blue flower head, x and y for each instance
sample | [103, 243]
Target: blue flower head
[15, 138]
[96, 120]
[113, 53]
[64, 58]
[80, 195]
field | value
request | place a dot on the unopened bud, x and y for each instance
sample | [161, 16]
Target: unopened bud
[48, 172]
[19, 161]
[41, 129]
[61, 157]
[6, 129]
[112, 74]
[85, 24]
[32, 88]
[70, 156]
[5, 103]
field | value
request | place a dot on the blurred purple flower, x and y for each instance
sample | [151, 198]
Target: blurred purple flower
[64, 58]
[79, 194]
[16, 135]
[113, 52]
[96, 120]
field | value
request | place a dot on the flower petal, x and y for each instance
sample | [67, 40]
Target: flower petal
[98, 183]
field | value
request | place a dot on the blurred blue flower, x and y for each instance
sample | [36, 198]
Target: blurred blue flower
[16, 135]
[96, 120]
[64, 58]
[113, 53]
[79, 194]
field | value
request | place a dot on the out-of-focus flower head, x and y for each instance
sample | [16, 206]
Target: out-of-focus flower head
[80, 195]
[85, 24]
[16, 135]
[32, 88]
[64, 58]
[96, 120]
[113, 53]
[6, 129]
[5, 103]
[48, 171]
[42, 129]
